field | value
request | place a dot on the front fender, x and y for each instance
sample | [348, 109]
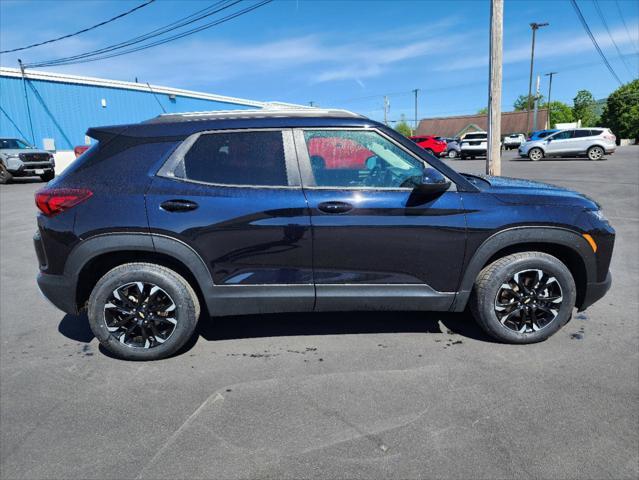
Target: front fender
[518, 236]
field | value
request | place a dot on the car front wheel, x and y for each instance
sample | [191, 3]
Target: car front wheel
[5, 176]
[523, 297]
[452, 154]
[535, 154]
[143, 311]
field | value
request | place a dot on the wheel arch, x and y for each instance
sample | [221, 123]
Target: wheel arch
[93, 257]
[566, 245]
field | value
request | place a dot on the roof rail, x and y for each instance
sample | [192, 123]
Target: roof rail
[270, 111]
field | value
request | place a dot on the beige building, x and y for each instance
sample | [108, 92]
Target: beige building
[511, 122]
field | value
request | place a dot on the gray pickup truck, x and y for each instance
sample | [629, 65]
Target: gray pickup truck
[19, 159]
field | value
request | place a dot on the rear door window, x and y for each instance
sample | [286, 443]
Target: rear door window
[582, 133]
[236, 158]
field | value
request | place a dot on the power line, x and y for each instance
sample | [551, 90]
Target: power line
[169, 39]
[594, 41]
[84, 30]
[603, 20]
[623, 20]
[189, 19]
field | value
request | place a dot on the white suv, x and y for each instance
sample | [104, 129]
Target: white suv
[474, 144]
[514, 140]
[592, 142]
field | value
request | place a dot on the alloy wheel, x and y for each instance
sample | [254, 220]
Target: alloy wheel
[535, 154]
[529, 301]
[140, 314]
[452, 154]
[595, 153]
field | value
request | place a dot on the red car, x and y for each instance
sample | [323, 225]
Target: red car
[430, 144]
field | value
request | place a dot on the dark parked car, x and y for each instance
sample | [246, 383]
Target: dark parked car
[227, 213]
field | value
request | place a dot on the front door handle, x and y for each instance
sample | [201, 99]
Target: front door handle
[335, 207]
[178, 205]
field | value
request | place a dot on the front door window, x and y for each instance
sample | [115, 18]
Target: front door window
[358, 159]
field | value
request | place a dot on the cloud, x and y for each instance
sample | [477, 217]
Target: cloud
[306, 59]
[548, 47]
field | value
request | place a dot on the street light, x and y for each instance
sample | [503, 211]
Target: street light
[550, 74]
[534, 26]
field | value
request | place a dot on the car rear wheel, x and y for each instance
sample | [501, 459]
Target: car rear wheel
[452, 154]
[523, 297]
[595, 153]
[535, 154]
[143, 311]
[5, 176]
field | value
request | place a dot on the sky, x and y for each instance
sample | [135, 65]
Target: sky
[342, 54]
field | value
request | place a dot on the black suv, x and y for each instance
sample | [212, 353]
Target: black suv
[249, 212]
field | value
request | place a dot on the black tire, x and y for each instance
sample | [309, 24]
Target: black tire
[5, 176]
[535, 154]
[595, 153]
[490, 281]
[452, 154]
[47, 176]
[179, 291]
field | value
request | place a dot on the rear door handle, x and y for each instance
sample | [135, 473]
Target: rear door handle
[178, 205]
[335, 207]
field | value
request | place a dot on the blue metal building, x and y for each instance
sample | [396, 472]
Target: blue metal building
[45, 105]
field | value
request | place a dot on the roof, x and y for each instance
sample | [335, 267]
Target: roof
[268, 112]
[511, 122]
[141, 87]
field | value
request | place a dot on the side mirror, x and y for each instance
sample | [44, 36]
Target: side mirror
[429, 185]
[429, 188]
[548, 140]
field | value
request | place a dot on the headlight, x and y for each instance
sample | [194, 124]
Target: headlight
[598, 214]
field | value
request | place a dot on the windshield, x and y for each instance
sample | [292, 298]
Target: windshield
[13, 144]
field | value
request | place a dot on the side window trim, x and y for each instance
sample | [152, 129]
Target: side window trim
[306, 171]
[176, 160]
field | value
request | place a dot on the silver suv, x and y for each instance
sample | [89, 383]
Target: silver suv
[19, 159]
[592, 142]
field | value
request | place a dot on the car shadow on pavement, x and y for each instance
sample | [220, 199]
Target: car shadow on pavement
[76, 327]
[557, 159]
[339, 323]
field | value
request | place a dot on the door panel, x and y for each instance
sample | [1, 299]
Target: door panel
[560, 143]
[255, 240]
[374, 247]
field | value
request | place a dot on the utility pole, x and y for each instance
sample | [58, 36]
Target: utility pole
[493, 154]
[535, 26]
[386, 108]
[416, 91]
[536, 105]
[26, 100]
[550, 90]
[311, 103]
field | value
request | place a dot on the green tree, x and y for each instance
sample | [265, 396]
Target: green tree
[404, 128]
[584, 108]
[621, 113]
[521, 103]
[482, 111]
[560, 113]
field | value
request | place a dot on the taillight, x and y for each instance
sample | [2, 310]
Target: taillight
[52, 201]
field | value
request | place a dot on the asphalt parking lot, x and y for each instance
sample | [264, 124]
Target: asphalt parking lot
[346, 395]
